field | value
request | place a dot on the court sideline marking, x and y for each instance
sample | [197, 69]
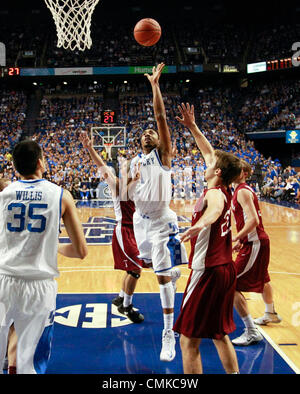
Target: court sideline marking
[279, 351]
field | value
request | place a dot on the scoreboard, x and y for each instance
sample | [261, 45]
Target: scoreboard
[281, 64]
[9, 71]
[108, 117]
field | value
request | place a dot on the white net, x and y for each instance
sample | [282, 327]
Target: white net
[73, 22]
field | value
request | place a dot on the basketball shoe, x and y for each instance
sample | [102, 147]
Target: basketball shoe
[249, 336]
[268, 318]
[132, 314]
[168, 345]
[118, 300]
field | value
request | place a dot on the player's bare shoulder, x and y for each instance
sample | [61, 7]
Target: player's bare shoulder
[244, 195]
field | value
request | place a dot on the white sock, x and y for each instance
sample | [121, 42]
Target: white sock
[121, 294]
[270, 308]
[248, 321]
[127, 300]
[168, 321]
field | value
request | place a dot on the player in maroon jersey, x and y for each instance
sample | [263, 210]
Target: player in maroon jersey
[253, 247]
[124, 246]
[207, 305]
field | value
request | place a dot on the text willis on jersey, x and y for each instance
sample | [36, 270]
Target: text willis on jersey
[26, 195]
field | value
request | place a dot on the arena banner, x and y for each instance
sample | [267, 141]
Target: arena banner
[256, 67]
[292, 136]
[269, 134]
[36, 72]
[148, 69]
[74, 71]
[125, 70]
[110, 70]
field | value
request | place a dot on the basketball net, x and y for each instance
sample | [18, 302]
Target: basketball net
[73, 22]
[108, 146]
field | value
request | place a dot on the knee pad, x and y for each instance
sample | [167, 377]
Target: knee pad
[135, 275]
[167, 295]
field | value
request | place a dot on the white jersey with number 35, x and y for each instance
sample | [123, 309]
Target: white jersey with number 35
[30, 212]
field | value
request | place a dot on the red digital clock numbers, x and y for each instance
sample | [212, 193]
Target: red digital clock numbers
[108, 117]
[9, 71]
[13, 71]
[280, 64]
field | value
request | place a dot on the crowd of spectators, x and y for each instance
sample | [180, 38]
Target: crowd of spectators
[61, 120]
[270, 106]
[114, 44]
[273, 41]
[13, 105]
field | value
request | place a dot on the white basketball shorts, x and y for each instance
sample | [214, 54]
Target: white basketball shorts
[30, 305]
[158, 241]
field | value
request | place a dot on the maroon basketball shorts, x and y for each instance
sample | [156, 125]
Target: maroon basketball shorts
[125, 250]
[252, 266]
[207, 305]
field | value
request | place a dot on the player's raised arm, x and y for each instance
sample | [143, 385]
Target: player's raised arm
[165, 147]
[106, 172]
[78, 247]
[188, 120]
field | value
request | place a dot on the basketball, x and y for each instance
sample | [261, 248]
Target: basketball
[147, 32]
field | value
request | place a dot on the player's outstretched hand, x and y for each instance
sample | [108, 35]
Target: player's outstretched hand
[84, 139]
[187, 115]
[156, 73]
[191, 232]
[238, 246]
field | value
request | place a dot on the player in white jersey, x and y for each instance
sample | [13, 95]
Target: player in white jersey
[10, 361]
[124, 247]
[30, 211]
[155, 224]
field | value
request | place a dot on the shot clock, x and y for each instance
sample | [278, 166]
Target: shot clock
[108, 117]
[10, 71]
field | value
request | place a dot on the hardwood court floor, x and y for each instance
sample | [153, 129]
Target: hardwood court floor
[95, 274]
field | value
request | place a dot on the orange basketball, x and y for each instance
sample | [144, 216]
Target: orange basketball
[147, 32]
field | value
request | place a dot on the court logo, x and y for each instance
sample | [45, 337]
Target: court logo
[93, 315]
[99, 230]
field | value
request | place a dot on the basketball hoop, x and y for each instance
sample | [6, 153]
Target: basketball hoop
[73, 22]
[108, 146]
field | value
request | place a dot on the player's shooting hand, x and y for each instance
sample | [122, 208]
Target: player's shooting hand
[187, 115]
[191, 232]
[156, 73]
[84, 139]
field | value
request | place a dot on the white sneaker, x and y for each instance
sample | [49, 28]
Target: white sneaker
[268, 318]
[248, 337]
[168, 352]
[175, 273]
